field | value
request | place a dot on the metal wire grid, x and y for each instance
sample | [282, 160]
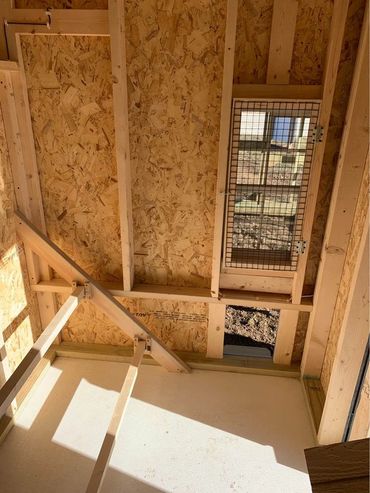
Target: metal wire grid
[271, 150]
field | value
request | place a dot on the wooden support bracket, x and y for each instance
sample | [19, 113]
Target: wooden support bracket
[68, 269]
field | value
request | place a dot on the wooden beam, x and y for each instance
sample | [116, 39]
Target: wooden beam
[216, 330]
[276, 91]
[107, 447]
[77, 22]
[12, 386]
[121, 132]
[338, 23]
[285, 337]
[352, 163]
[196, 361]
[350, 349]
[330, 76]
[191, 295]
[223, 147]
[282, 40]
[19, 136]
[65, 266]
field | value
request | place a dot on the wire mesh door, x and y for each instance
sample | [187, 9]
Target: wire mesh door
[271, 150]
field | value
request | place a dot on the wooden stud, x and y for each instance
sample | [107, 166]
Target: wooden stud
[285, 337]
[351, 346]
[102, 462]
[338, 23]
[12, 386]
[68, 269]
[120, 106]
[216, 331]
[288, 330]
[19, 136]
[227, 89]
[281, 42]
[352, 163]
[277, 91]
[191, 295]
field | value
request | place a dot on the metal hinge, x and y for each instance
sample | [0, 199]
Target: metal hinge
[318, 134]
[300, 247]
[148, 343]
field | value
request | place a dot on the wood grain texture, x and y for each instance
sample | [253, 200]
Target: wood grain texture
[335, 130]
[252, 41]
[340, 461]
[174, 57]
[70, 92]
[20, 321]
[346, 280]
[61, 4]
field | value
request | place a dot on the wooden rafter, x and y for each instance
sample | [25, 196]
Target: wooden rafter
[288, 322]
[282, 40]
[120, 106]
[68, 269]
[102, 462]
[352, 164]
[16, 381]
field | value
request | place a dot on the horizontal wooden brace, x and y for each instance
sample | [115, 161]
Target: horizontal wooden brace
[277, 91]
[191, 295]
[66, 267]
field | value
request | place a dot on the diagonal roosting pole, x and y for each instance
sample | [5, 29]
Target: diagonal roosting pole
[69, 270]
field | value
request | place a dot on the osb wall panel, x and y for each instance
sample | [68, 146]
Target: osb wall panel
[346, 280]
[175, 60]
[342, 90]
[61, 4]
[181, 326]
[252, 41]
[70, 92]
[310, 41]
[361, 425]
[19, 317]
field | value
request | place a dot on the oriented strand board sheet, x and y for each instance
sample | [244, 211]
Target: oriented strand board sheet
[175, 60]
[342, 90]
[181, 326]
[19, 317]
[61, 4]
[252, 41]
[310, 41]
[346, 280]
[70, 92]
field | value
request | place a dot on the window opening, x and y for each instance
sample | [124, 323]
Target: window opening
[271, 152]
[250, 331]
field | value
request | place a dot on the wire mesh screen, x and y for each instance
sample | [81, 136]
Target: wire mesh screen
[271, 151]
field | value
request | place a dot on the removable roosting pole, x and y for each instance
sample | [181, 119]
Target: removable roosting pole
[102, 462]
[13, 385]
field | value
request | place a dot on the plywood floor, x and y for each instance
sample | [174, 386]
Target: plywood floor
[204, 432]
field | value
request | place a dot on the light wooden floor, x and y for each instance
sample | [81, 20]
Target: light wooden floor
[204, 432]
